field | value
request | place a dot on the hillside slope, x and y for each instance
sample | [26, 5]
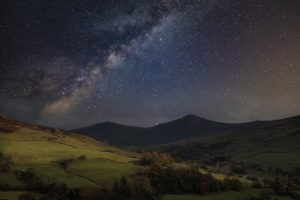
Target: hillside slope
[190, 126]
[33, 146]
[269, 143]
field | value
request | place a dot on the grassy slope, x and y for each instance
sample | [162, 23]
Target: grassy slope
[232, 195]
[274, 143]
[221, 196]
[246, 194]
[41, 148]
[13, 195]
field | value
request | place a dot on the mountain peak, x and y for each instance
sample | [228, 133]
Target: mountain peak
[192, 117]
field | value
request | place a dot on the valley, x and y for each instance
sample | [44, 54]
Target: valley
[74, 161]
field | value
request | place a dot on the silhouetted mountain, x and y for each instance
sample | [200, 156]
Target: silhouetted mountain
[190, 126]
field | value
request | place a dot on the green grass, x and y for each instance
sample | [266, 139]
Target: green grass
[282, 198]
[10, 195]
[270, 144]
[99, 167]
[231, 195]
[83, 173]
[44, 152]
[220, 176]
[41, 149]
[271, 157]
[102, 171]
[10, 179]
[13, 195]
[53, 173]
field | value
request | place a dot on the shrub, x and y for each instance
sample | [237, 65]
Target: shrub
[182, 180]
[252, 178]
[232, 184]
[135, 188]
[65, 163]
[5, 163]
[257, 184]
[26, 196]
[156, 158]
[82, 157]
[238, 169]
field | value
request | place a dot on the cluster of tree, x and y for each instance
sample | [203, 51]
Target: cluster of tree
[279, 185]
[238, 169]
[31, 179]
[125, 189]
[188, 180]
[66, 162]
[156, 159]
[147, 185]
[206, 153]
[135, 188]
[5, 163]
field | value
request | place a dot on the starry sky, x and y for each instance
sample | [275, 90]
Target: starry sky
[73, 63]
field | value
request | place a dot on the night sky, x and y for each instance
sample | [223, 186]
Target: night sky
[72, 63]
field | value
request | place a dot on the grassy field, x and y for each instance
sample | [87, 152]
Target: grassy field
[232, 195]
[273, 144]
[39, 148]
[10, 179]
[246, 182]
[13, 195]
[44, 152]
[102, 171]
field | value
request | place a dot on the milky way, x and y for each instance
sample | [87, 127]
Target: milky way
[72, 63]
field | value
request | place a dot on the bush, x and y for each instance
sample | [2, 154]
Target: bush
[5, 163]
[266, 195]
[156, 158]
[82, 157]
[65, 163]
[134, 189]
[26, 196]
[182, 180]
[257, 184]
[232, 184]
[252, 178]
[238, 169]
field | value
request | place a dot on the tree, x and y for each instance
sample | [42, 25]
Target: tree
[65, 163]
[233, 184]
[156, 158]
[5, 163]
[26, 196]
[122, 190]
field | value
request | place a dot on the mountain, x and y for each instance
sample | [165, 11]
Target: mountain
[190, 126]
[269, 143]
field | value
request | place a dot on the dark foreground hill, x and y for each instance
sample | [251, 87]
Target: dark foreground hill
[270, 143]
[190, 126]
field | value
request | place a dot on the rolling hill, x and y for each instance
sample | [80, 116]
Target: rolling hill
[98, 165]
[269, 143]
[41, 148]
[190, 126]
